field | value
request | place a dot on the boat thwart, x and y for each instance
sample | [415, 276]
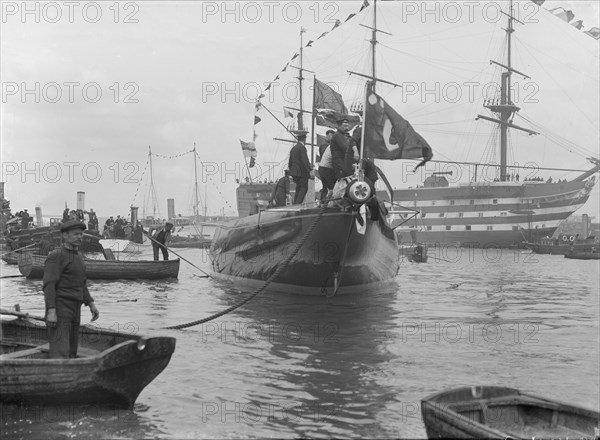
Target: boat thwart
[498, 412]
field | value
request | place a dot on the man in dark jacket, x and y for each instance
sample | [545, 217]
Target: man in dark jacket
[281, 191]
[65, 289]
[299, 167]
[339, 146]
[160, 239]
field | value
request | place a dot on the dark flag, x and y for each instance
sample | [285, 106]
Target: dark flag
[538, 2]
[389, 136]
[329, 106]
[594, 33]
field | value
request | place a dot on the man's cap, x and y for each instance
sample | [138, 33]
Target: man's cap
[329, 131]
[342, 119]
[168, 223]
[72, 224]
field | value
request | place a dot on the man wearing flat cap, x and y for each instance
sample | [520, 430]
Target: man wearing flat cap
[299, 166]
[159, 241]
[339, 146]
[65, 290]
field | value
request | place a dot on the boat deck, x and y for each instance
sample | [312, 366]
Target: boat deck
[39, 351]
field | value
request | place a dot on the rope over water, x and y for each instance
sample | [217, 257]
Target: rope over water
[272, 278]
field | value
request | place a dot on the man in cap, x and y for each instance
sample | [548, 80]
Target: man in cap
[339, 146]
[281, 191]
[299, 167]
[65, 290]
[160, 239]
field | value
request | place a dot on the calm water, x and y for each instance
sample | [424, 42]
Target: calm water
[286, 366]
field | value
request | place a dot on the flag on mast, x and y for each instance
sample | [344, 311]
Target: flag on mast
[389, 136]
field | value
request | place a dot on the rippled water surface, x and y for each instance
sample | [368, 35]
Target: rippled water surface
[292, 366]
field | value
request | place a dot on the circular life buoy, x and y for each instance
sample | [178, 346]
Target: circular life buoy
[359, 192]
[564, 238]
[571, 238]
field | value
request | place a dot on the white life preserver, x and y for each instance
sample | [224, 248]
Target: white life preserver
[571, 238]
[564, 238]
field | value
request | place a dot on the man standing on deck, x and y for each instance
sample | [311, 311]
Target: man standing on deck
[65, 289]
[282, 190]
[160, 239]
[299, 167]
[339, 146]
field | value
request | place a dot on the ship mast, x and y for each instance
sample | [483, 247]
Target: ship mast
[152, 190]
[505, 109]
[300, 79]
[196, 198]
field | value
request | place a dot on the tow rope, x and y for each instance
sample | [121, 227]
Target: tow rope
[272, 278]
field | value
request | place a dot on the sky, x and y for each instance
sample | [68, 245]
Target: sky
[88, 87]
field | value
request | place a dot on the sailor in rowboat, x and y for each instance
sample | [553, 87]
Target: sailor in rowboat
[159, 240]
[65, 289]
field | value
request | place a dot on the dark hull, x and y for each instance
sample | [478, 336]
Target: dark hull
[499, 214]
[111, 368]
[253, 248]
[562, 248]
[583, 255]
[497, 412]
[32, 266]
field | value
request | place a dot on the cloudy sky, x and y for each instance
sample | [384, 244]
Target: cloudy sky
[87, 87]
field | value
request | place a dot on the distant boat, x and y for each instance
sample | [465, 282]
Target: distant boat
[501, 413]
[591, 254]
[563, 245]
[32, 266]
[189, 242]
[111, 368]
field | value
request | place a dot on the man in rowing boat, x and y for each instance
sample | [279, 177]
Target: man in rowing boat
[160, 239]
[65, 290]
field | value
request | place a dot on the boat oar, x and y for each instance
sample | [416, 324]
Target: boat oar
[17, 250]
[21, 315]
[11, 276]
[206, 275]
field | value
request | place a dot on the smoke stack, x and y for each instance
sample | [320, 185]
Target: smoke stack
[134, 215]
[170, 208]
[585, 221]
[38, 216]
[81, 200]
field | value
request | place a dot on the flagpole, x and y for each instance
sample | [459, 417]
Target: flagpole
[312, 129]
[364, 126]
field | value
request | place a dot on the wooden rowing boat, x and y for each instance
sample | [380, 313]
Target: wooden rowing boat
[111, 368]
[32, 266]
[498, 412]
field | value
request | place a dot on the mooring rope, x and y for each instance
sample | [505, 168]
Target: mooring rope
[206, 275]
[272, 278]
[17, 250]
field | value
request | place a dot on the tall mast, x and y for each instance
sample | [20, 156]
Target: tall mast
[152, 189]
[196, 201]
[300, 79]
[505, 109]
[374, 43]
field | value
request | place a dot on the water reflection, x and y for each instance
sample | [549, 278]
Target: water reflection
[323, 359]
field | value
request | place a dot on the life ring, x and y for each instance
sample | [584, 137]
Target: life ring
[564, 238]
[359, 192]
[571, 238]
